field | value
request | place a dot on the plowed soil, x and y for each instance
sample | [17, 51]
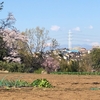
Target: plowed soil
[66, 87]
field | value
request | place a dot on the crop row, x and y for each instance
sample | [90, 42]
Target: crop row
[20, 83]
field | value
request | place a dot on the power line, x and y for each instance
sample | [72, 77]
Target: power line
[69, 40]
[76, 38]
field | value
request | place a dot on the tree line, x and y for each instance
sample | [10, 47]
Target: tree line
[25, 51]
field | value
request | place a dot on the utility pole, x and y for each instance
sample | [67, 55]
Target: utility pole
[69, 40]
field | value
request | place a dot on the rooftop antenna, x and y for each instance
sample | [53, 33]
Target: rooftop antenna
[69, 40]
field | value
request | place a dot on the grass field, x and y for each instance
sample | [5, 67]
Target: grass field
[66, 87]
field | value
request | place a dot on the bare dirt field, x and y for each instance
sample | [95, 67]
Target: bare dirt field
[67, 87]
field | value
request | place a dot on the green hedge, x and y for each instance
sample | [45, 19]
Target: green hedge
[12, 67]
[78, 73]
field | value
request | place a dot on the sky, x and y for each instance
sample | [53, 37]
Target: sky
[81, 17]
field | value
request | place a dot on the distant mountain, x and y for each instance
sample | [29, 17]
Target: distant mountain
[88, 47]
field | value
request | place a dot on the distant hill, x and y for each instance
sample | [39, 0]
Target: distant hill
[88, 47]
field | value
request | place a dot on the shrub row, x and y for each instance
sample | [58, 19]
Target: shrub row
[12, 67]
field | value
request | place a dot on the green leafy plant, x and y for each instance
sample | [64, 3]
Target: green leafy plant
[12, 83]
[95, 88]
[41, 83]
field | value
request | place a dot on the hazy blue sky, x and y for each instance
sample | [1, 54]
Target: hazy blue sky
[82, 17]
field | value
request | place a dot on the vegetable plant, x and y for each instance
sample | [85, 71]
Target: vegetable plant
[41, 83]
[20, 83]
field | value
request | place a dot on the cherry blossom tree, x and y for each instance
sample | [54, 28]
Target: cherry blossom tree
[11, 36]
[50, 64]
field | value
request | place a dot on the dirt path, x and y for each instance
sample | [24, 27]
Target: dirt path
[67, 87]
